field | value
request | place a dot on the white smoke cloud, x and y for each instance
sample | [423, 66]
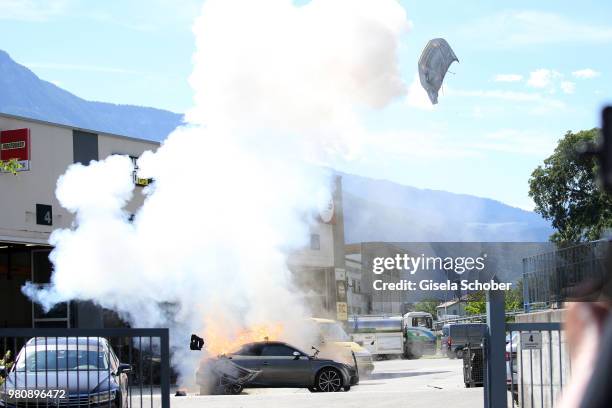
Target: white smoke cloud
[276, 86]
[296, 70]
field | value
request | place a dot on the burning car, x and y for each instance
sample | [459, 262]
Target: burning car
[334, 341]
[223, 376]
[275, 364]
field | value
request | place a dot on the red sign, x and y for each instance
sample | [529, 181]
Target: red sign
[15, 144]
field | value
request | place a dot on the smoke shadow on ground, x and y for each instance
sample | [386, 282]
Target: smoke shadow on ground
[389, 376]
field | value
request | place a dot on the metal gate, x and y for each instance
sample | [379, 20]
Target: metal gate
[60, 367]
[527, 364]
[537, 364]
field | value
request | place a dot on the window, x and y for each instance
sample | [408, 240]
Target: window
[249, 350]
[356, 284]
[84, 146]
[277, 350]
[315, 242]
[422, 322]
[62, 360]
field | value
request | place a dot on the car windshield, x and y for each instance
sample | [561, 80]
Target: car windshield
[423, 321]
[61, 360]
[248, 350]
[333, 332]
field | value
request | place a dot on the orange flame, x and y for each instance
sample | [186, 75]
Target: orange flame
[220, 340]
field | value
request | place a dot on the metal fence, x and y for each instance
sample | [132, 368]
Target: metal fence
[526, 364]
[550, 278]
[537, 364]
[117, 368]
[480, 318]
[473, 365]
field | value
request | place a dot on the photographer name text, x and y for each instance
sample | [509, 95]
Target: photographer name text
[430, 285]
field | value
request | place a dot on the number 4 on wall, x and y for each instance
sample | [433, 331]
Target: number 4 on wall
[44, 214]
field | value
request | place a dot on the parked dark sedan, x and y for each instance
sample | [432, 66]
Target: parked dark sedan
[73, 371]
[280, 365]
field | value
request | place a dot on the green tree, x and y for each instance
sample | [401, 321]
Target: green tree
[566, 192]
[10, 166]
[476, 303]
[513, 300]
[427, 305]
[514, 297]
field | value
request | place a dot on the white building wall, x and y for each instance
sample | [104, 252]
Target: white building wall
[318, 258]
[51, 152]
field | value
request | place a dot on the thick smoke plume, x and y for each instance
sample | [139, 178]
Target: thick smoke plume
[278, 88]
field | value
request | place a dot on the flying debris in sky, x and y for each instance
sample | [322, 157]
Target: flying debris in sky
[433, 65]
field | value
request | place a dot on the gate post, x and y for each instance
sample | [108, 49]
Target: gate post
[495, 380]
[165, 368]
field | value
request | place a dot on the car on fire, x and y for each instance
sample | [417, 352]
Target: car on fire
[275, 364]
[335, 343]
[78, 371]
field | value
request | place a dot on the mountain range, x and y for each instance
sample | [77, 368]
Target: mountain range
[374, 210]
[380, 210]
[22, 93]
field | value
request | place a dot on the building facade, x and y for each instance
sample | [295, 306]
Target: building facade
[357, 299]
[30, 212]
[451, 309]
[319, 269]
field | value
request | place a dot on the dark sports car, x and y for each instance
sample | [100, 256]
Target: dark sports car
[279, 365]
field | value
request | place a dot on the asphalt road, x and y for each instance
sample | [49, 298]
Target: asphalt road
[426, 383]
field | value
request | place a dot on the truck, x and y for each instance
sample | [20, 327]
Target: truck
[455, 337]
[419, 336]
[382, 335]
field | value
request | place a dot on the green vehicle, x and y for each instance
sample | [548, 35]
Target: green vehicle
[419, 335]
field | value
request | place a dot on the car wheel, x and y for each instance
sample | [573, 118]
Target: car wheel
[417, 351]
[329, 380]
[233, 389]
[459, 353]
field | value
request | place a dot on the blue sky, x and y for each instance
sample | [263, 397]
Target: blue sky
[528, 72]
